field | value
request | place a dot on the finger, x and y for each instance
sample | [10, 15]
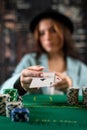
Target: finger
[61, 85]
[57, 79]
[58, 84]
[59, 75]
[36, 68]
[61, 82]
[30, 73]
[64, 77]
[25, 87]
[26, 80]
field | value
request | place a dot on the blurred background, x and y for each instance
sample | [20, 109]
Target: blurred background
[15, 38]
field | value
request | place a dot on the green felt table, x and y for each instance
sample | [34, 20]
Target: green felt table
[49, 112]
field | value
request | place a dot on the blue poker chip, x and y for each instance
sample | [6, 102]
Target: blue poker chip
[20, 110]
[20, 114]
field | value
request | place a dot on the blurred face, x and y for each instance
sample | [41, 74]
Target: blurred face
[51, 38]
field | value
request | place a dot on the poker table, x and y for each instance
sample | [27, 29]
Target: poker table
[49, 112]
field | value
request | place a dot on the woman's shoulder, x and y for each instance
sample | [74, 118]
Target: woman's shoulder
[76, 62]
[28, 57]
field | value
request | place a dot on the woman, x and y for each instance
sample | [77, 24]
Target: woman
[56, 53]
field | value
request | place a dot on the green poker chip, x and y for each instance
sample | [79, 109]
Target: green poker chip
[13, 94]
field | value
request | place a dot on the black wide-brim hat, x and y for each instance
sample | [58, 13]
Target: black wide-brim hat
[53, 14]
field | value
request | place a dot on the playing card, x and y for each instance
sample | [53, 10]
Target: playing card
[46, 81]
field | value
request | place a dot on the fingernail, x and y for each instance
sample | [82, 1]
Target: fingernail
[41, 75]
[42, 67]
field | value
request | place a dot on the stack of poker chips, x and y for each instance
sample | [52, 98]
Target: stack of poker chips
[72, 96]
[11, 105]
[20, 115]
[4, 98]
[84, 92]
[12, 92]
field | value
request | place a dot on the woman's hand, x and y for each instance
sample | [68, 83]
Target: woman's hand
[28, 73]
[62, 82]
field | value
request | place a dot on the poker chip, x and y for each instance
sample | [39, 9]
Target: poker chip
[72, 95]
[84, 92]
[11, 105]
[12, 92]
[20, 98]
[20, 115]
[4, 98]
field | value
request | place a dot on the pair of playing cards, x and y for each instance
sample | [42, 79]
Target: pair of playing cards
[46, 81]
